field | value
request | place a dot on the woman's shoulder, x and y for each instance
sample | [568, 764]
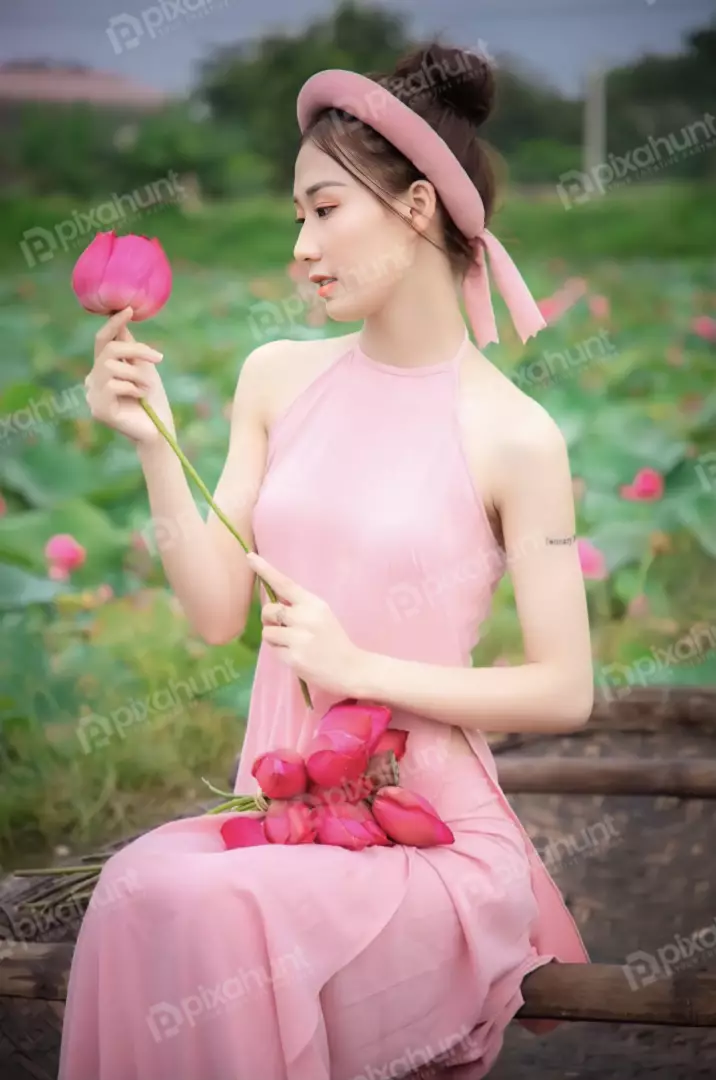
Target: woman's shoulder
[504, 431]
[496, 404]
[287, 367]
[290, 350]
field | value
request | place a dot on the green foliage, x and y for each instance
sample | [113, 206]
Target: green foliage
[630, 389]
[107, 695]
[260, 84]
[236, 134]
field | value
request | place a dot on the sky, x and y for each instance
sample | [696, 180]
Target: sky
[159, 43]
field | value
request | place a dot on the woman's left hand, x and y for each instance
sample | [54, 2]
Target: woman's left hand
[312, 641]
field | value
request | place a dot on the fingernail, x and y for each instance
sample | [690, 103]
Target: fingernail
[159, 355]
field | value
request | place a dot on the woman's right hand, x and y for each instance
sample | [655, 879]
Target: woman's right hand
[125, 370]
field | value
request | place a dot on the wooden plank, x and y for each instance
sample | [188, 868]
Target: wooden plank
[603, 992]
[653, 708]
[607, 776]
[29, 969]
[555, 991]
[645, 710]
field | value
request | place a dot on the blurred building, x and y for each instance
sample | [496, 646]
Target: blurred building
[59, 121]
[24, 82]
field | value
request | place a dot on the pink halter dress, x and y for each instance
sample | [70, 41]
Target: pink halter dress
[313, 962]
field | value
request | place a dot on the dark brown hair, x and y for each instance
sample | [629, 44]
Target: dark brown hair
[453, 90]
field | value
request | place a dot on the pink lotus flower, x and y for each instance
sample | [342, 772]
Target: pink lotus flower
[115, 272]
[351, 791]
[281, 774]
[290, 823]
[555, 306]
[592, 561]
[298, 271]
[638, 606]
[64, 555]
[394, 739]
[315, 314]
[409, 819]
[242, 831]
[345, 739]
[705, 327]
[647, 486]
[599, 307]
[138, 542]
[349, 825]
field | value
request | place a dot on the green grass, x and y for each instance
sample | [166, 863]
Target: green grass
[655, 220]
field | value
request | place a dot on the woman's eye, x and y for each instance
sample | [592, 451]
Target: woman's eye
[326, 209]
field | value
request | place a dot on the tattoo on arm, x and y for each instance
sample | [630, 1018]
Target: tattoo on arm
[561, 540]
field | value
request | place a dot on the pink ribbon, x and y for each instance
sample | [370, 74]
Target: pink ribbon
[421, 144]
[526, 316]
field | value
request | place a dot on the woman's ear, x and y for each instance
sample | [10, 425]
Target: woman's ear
[423, 202]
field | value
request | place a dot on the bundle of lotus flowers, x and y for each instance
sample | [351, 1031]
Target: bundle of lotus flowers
[345, 791]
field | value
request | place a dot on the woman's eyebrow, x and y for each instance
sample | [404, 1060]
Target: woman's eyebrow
[321, 184]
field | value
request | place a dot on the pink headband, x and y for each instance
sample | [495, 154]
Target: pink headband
[420, 143]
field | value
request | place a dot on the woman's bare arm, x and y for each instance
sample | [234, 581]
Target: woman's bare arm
[205, 565]
[553, 690]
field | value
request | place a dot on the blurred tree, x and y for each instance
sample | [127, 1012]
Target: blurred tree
[52, 148]
[245, 140]
[534, 127]
[660, 95]
[257, 84]
[182, 139]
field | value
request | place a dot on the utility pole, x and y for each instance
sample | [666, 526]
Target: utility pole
[594, 151]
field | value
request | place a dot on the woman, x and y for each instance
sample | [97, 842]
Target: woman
[386, 477]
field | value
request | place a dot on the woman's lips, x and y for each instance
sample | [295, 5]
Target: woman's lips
[326, 288]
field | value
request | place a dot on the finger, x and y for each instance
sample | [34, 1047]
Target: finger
[122, 370]
[270, 614]
[277, 635]
[132, 350]
[125, 334]
[112, 327]
[122, 388]
[280, 583]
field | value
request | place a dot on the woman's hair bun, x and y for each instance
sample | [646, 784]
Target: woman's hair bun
[461, 80]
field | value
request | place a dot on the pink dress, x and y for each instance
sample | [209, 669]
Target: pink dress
[312, 962]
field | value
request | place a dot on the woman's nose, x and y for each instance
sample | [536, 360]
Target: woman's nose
[306, 249]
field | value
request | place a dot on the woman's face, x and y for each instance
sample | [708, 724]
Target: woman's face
[346, 233]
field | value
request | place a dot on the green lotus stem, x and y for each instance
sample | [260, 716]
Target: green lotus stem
[644, 570]
[86, 888]
[51, 871]
[241, 804]
[82, 894]
[194, 475]
[159, 425]
[218, 791]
